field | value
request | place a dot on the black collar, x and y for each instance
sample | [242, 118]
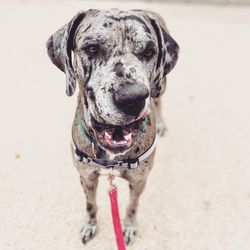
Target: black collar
[107, 164]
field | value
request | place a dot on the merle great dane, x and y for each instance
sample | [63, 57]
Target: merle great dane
[120, 60]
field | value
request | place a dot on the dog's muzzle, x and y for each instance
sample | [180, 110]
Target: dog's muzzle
[130, 98]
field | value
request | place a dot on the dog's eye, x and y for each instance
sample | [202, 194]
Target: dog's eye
[148, 53]
[92, 49]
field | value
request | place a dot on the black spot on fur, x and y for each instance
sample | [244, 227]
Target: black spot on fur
[92, 215]
[128, 75]
[137, 150]
[107, 24]
[87, 28]
[86, 102]
[149, 121]
[119, 69]
[89, 207]
[84, 70]
[70, 90]
[104, 90]
[130, 187]
[91, 94]
[132, 70]
[114, 18]
[89, 74]
[91, 188]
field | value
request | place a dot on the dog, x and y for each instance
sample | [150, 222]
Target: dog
[120, 60]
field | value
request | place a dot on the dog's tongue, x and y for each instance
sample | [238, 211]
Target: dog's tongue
[118, 136]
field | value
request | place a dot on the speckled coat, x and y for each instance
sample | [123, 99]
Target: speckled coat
[126, 39]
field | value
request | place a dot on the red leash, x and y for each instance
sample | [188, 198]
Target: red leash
[115, 215]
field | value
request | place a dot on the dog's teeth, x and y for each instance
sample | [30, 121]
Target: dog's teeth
[107, 135]
[120, 142]
[128, 137]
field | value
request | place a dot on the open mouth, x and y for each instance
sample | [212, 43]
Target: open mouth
[116, 138]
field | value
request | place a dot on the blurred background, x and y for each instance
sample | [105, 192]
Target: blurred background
[194, 1]
[198, 193]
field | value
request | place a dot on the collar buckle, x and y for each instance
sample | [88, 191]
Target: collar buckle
[133, 165]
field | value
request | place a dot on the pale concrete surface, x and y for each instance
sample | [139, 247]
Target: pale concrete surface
[198, 194]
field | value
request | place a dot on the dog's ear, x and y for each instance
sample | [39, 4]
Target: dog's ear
[167, 55]
[59, 47]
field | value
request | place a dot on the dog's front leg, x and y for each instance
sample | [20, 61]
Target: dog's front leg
[89, 184]
[130, 222]
[161, 127]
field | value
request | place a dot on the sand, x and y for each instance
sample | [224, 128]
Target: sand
[198, 193]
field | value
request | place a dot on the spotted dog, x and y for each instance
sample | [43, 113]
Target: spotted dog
[120, 60]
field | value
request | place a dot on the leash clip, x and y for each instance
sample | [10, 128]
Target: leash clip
[111, 177]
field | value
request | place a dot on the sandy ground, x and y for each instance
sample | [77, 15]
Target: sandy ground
[198, 194]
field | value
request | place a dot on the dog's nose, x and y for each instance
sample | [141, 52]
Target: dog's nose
[130, 98]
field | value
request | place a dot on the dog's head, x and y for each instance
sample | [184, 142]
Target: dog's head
[120, 60]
